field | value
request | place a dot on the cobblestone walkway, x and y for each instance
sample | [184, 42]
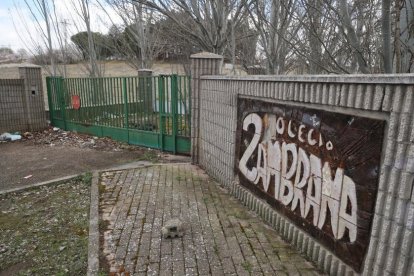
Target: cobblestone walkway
[221, 236]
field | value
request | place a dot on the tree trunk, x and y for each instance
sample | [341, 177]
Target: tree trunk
[314, 8]
[49, 38]
[386, 35]
[406, 25]
[91, 45]
[352, 37]
[397, 41]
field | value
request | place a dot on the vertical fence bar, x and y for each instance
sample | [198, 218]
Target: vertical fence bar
[125, 92]
[174, 111]
[107, 115]
[136, 100]
[120, 101]
[161, 111]
[84, 87]
[154, 103]
[98, 98]
[165, 103]
[94, 84]
[61, 101]
[189, 104]
[49, 99]
[145, 103]
[80, 93]
[87, 89]
[105, 97]
[137, 103]
[180, 105]
[116, 102]
[141, 103]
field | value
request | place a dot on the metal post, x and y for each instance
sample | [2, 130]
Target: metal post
[124, 91]
[61, 100]
[188, 115]
[174, 108]
[161, 110]
[125, 94]
[49, 99]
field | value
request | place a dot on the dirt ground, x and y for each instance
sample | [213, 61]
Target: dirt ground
[52, 154]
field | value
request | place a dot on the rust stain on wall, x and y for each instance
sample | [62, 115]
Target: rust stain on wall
[318, 168]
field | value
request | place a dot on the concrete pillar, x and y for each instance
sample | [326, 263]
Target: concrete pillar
[33, 97]
[144, 73]
[145, 89]
[202, 64]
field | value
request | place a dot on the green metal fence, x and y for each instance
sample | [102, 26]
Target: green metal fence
[147, 111]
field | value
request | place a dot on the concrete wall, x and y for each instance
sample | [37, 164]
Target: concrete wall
[12, 111]
[389, 98]
[11, 71]
[21, 101]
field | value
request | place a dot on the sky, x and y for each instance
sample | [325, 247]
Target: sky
[8, 37]
[17, 24]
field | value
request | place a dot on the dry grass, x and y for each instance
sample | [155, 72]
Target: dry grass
[118, 68]
[44, 231]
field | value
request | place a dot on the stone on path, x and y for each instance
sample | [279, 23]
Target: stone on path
[172, 228]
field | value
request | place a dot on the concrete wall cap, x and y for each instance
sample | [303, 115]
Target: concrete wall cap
[206, 55]
[368, 79]
[19, 65]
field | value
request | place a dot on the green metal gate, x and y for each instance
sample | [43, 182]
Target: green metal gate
[147, 111]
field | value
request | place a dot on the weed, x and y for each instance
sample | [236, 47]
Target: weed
[216, 250]
[101, 188]
[239, 214]
[87, 178]
[247, 266]
[103, 225]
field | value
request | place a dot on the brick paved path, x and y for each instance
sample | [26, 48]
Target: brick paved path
[221, 236]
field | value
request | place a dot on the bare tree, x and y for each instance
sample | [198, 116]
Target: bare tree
[404, 36]
[81, 7]
[353, 40]
[276, 28]
[330, 36]
[386, 34]
[48, 43]
[40, 11]
[141, 42]
[207, 23]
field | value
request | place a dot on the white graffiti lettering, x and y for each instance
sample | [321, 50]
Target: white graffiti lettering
[300, 180]
[277, 126]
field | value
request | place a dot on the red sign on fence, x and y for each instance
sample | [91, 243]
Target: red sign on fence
[76, 102]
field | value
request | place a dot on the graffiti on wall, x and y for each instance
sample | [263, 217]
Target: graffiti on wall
[318, 168]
